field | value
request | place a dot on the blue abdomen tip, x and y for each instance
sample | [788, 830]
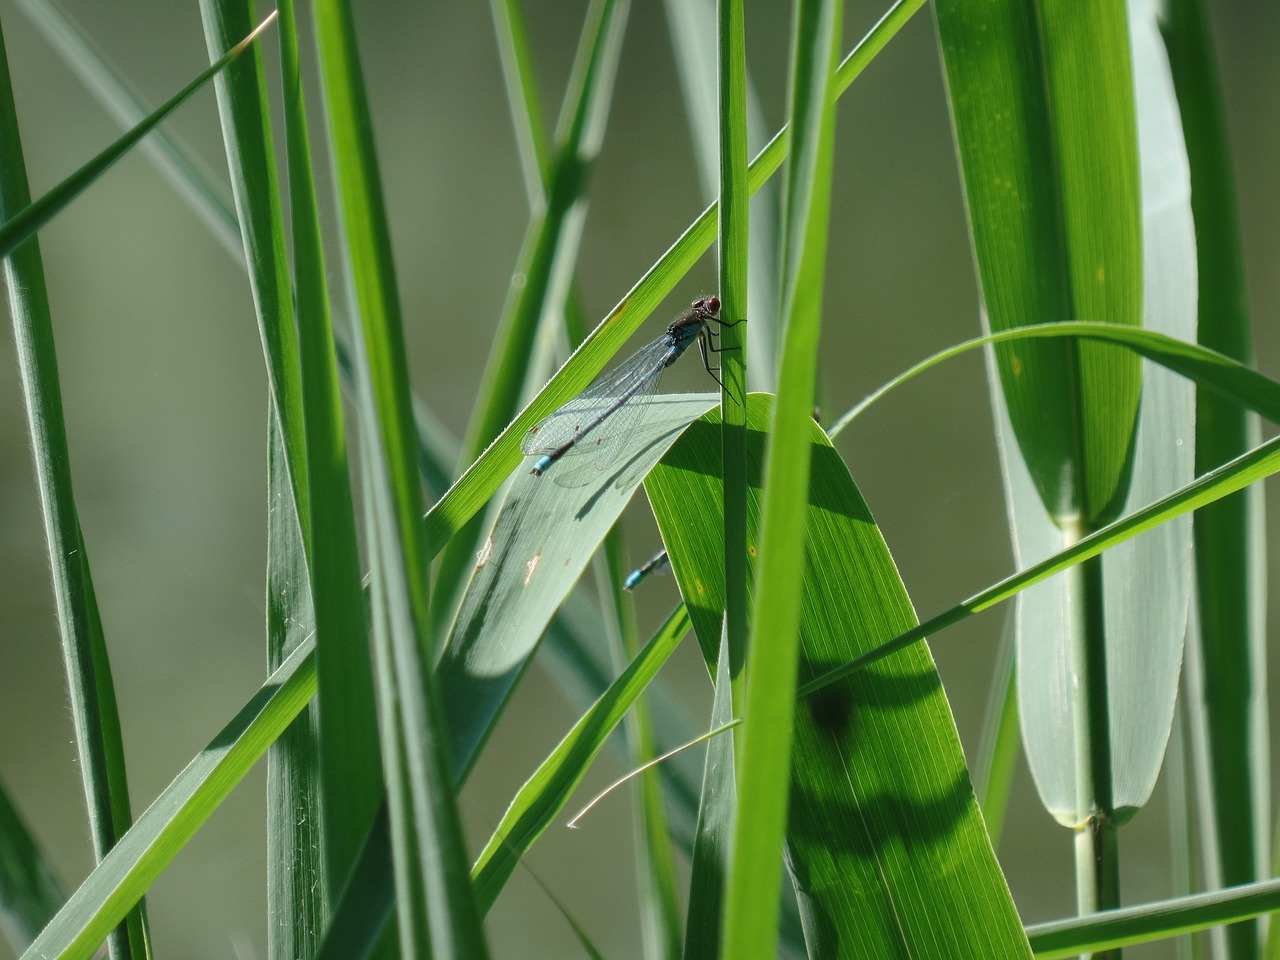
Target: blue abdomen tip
[540, 467]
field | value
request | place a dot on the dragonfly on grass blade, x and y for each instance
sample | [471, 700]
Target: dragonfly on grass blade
[599, 420]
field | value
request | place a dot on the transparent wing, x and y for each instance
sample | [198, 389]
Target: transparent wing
[565, 424]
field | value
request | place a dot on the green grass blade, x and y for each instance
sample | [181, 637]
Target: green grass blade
[246, 133]
[658, 894]
[1153, 921]
[29, 892]
[550, 250]
[1226, 377]
[297, 891]
[1231, 707]
[712, 843]
[547, 791]
[1257, 464]
[890, 854]
[351, 775]
[522, 96]
[734, 246]
[751, 897]
[99, 744]
[689, 25]
[184, 171]
[483, 477]
[1001, 743]
[21, 223]
[365, 905]
[429, 851]
[142, 854]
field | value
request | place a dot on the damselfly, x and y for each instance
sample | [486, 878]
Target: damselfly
[599, 420]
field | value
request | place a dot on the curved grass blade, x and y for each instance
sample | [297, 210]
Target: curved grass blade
[1225, 376]
[21, 224]
[889, 851]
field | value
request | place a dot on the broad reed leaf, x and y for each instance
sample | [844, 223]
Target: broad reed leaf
[886, 846]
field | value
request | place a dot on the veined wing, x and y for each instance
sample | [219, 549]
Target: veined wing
[557, 429]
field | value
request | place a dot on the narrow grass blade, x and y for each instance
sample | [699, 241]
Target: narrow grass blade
[550, 250]
[21, 223]
[547, 791]
[734, 248]
[658, 896]
[1230, 639]
[1153, 921]
[29, 892]
[438, 909]
[889, 853]
[712, 844]
[1001, 742]
[297, 893]
[764, 759]
[188, 175]
[1228, 378]
[99, 744]
[142, 854]
[351, 775]
[523, 97]
[1260, 462]
[246, 134]
[689, 24]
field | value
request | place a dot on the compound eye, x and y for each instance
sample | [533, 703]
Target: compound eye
[712, 304]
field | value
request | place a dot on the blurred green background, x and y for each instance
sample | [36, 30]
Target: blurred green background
[165, 399]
